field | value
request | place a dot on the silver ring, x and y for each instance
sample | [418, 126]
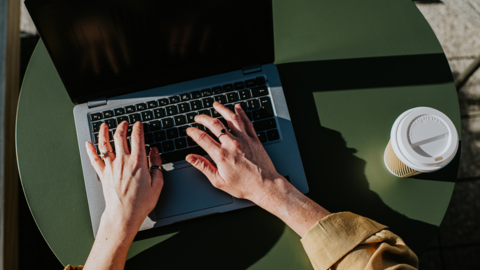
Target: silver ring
[222, 132]
[155, 167]
[102, 155]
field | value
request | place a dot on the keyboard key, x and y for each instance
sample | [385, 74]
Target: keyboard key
[243, 105]
[130, 109]
[145, 128]
[200, 127]
[206, 112]
[121, 119]
[147, 116]
[195, 105]
[167, 146]
[160, 136]
[207, 102]
[172, 133]
[220, 99]
[111, 123]
[232, 97]
[163, 102]
[228, 88]
[249, 115]
[152, 104]
[183, 107]
[96, 126]
[95, 117]
[179, 120]
[260, 80]
[95, 138]
[230, 107]
[224, 122]
[182, 131]
[191, 117]
[266, 106]
[195, 95]
[180, 143]
[96, 148]
[259, 91]
[244, 94]
[238, 85]
[191, 142]
[215, 113]
[217, 90]
[273, 135]
[159, 113]
[154, 125]
[251, 83]
[147, 150]
[107, 114]
[265, 124]
[133, 118]
[253, 104]
[185, 97]
[206, 92]
[129, 131]
[141, 106]
[181, 154]
[171, 110]
[118, 111]
[167, 123]
[149, 138]
[173, 99]
[262, 136]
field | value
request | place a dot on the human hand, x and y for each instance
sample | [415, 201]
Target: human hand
[131, 191]
[244, 168]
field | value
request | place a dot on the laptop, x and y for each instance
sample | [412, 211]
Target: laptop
[162, 63]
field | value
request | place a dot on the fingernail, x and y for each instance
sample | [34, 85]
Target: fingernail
[238, 106]
[191, 159]
[86, 144]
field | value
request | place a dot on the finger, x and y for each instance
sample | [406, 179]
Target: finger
[246, 122]
[206, 142]
[233, 119]
[104, 144]
[157, 176]
[121, 144]
[214, 125]
[206, 167]
[138, 140]
[95, 160]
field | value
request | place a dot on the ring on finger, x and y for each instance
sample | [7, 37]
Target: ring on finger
[155, 167]
[103, 154]
[222, 132]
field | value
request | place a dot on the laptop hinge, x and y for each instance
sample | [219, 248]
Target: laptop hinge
[252, 69]
[97, 102]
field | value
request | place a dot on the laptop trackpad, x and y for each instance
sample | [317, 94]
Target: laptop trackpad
[187, 190]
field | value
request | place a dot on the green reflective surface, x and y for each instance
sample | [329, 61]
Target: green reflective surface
[383, 59]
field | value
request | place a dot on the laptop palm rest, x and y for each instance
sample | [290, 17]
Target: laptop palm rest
[187, 190]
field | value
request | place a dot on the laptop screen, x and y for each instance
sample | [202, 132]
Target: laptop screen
[105, 48]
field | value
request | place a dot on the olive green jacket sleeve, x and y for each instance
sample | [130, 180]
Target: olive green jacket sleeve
[348, 241]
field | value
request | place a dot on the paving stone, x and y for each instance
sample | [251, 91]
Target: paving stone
[458, 37]
[469, 94]
[460, 224]
[465, 258]
[430, 260]
[470, 148]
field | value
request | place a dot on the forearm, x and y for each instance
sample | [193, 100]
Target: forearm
[111, 245]
[298, 211]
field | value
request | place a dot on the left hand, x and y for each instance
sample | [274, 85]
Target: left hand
[131, 191]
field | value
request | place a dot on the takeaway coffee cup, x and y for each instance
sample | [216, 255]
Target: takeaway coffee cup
[422, 140]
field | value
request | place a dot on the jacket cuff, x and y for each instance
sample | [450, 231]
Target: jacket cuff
[334, 236]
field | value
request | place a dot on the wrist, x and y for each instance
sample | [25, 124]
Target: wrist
[114, 223]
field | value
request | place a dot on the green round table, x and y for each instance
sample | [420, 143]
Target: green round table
[348, 69]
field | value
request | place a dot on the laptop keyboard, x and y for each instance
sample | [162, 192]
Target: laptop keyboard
[166, 120]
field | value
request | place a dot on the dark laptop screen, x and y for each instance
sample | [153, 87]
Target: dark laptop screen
[104, 48]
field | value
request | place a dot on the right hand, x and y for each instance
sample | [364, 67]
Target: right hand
[244, 168]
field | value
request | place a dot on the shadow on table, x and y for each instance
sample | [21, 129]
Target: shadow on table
[238, 239]
[335, 175]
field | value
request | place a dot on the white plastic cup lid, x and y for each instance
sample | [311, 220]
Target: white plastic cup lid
[424, 139]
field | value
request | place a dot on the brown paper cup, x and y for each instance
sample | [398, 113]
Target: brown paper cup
[395, 165]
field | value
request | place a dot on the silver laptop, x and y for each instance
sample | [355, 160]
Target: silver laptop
[162, 63]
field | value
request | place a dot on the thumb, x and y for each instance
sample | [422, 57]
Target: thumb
[205, 166]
